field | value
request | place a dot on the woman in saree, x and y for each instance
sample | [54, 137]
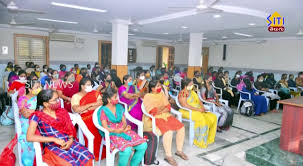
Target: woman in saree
[129, 94]
[85, 102]
[205, 122]
[208, 93]
[158, 106]
[57, 133]
[55, 82]
[111, 117]
[27, 105]
[68, 89]
[17, 84]
[141, 82]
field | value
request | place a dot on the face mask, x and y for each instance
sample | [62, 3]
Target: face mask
[97, 65]
[237, 76]
[23, 79]
[55, 106]
[159, 90]
[45, 70]
[71, 79]
[114, 102]
[108, 80]
[36, 91]
[161, 81]
[63, 69]
[165, 77]
[84, 74]
[88, 89]
[142, 77]
[210, 82]
[260, 80]
[190, 87]
[38, 69]
[56, 76]
[74, 72]
[130, 83]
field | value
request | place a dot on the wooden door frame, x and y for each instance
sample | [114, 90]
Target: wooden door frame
[100, 42]
[157, 53]
[45, 38]
[205, 68]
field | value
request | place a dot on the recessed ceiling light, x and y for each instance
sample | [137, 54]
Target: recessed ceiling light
[242, 34]
[78, 7]
[224, 37]
[61, 21]
[217, 16]
[165, 33]
[252, 24]
[184, 27]
[300, 32]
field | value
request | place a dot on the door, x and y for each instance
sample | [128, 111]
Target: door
[165, 57]
[205, 55]
[105, 53]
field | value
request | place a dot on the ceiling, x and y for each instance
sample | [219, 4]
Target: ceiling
[213, 28]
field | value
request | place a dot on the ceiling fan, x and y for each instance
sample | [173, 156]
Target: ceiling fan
[14, 23]
[205, 6]
[12, 7]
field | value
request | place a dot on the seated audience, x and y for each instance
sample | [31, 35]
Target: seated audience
[226, 78]
[17, 84]
[83, 73]
[291, 82]
[44, 71]
[260, 103]
[112, 118]
[108, 84]
[141, 82]
[55, 81]
[62, 71]
[198, 79]
[76, 67]
[250, 75]
[37, 70]
[270, 81]
[236, 80]
[208, 93]
[27, 105]
[57, 133]
[115, 78]
[130, 94]
[13, 75]
[205, 122]
[282, 87]
[85, 102]
[157, 105]
[227, 93]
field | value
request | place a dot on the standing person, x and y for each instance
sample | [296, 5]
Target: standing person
[27, 105]
[121, 136]
[205, 122]
[129, 94]
[57, 133]
[62, 71]
[158, 106]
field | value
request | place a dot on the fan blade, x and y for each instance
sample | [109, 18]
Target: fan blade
[210, 10]
[21, 24]
[240, 10]
[168, 17]
[26, 11]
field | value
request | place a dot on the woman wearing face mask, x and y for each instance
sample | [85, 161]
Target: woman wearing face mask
[55, 81]
[198, 79]
[235, 81]
[57, 133]
[27, 105]
[44, 71]
[17, 84]
[108, 84]
[227, 93]
[37, 70]
[222, 111]
[121, 136]
[282, 87]
[158, 106]
[130, 94]
[141, 82]
[205, 122]
[68, 89]
[85, 102]
[62, 71]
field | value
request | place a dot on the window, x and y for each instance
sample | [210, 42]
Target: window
[31, 48]
[132, 55]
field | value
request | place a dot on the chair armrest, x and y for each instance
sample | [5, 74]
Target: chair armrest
[185, 109]
[224, 101]
[152, 118]
[249, 95]
[177, 113]
[213, 105]
[38, 153]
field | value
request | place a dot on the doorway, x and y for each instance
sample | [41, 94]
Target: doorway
[165, 57]
[205, 55]
[105, 53]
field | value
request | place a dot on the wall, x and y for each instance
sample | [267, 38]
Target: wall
[181, 54]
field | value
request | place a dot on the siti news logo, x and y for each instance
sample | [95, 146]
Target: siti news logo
[275, 23]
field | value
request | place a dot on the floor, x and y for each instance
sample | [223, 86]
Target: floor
[228, 149]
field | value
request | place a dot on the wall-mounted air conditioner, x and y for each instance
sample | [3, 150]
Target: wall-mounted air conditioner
[61, 37]
[149, 43]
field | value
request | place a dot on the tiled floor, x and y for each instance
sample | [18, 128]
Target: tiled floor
[228, 149]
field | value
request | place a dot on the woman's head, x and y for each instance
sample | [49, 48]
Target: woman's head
[54, 74]
[69, 76]
[63, 67]
[33, 87]
[49, 99]
[127, 80]
[141, 75]
[247, 83]
[85, 85]
[208, 79]
[291, 76]
[154, 86]
[197, 74]
[284, 76]
[260, 78]
[108, 78]
[187, 84]
[45, 67]
[110, 97]
[83, 72]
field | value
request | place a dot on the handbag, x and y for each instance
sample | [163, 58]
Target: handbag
[8, 157]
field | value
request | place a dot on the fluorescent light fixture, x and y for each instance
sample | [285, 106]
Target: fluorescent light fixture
[130, 34]
[204, 38]
[61, 21]
[77, 7]
[184, 27]
[217, 16]
[242, 34]
[224, 37]
[252, 24]
[201, 7]
[165, 33]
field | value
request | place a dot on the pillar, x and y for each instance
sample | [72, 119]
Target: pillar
[195, 54]
[120, 46]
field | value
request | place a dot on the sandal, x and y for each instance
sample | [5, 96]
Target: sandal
[181, 155]
[171, 161]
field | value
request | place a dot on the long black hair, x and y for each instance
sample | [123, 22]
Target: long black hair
[84, 81]
[125, 78]
[44, 96]
[21, 72]
[185, 82]
[66, 75]
[247, 83]
[107, 95]
[206, 77]
[152, 84]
